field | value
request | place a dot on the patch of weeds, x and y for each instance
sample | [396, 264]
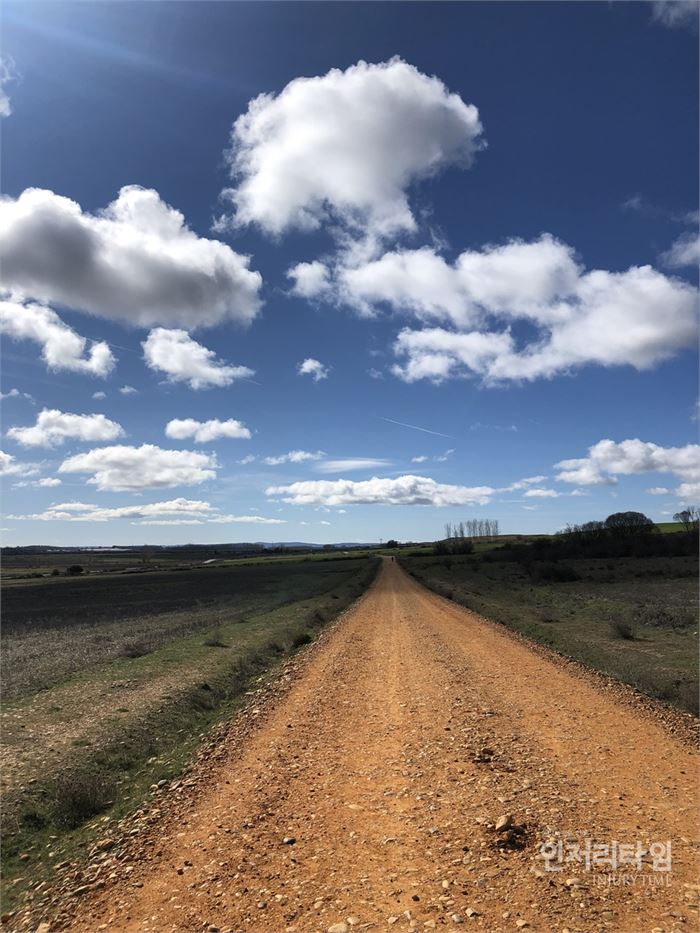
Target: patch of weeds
[216, 640]
[663, 617]
[547, 572]
[621, 628]
[134, 649]
[81, 794]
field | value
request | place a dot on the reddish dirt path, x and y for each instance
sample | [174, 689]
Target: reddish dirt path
[403, 737]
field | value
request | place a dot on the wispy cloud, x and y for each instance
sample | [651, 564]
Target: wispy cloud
[351, 463]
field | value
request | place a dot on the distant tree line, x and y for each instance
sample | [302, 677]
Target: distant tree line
[473, 528]
[459, 536]
[622, 534]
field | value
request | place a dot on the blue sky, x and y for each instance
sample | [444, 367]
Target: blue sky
[474, 219]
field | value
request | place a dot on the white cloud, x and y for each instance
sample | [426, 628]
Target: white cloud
[204, 431]
[10, 467]
[219, 520]
[178, 511]
[403, 490]
[441, 458]
[8, 74]
[145, 467]
[688, 491]
[171, 521]
[128, 390]
[437, 354]
[47, 482]
[346, 146]
[61, 347]
[675, 13]
[468, 309]
[351, 463]
[515, 279]
[15, 393]
[313, 368]
[637, 318]
[98, 396]
[247, 519]
[175, 353]
[421, 459]
[608, 459]
[310, 279]
[87, 512]
[541, 494]
[251, 458]
[136, 261]
[684, 252]
[658, 491]
[524, 483]
[53, 427]
[295, 456]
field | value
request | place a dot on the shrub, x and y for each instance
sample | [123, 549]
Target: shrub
[303, 639]
[74, 570]
[215, 640]
[629, 523]
[621, 628]
[662, 617]
[553, 573]
[79, 795]
[134, 649]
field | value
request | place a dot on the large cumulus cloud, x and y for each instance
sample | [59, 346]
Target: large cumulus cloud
[135, 262]
[346, 146]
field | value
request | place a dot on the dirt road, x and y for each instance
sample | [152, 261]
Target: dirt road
[388, 758]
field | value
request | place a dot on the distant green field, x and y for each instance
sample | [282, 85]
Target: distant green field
[669, 527]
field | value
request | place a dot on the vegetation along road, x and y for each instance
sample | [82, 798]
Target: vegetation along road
[404, 773]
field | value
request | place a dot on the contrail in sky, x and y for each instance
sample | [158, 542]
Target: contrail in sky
[416, 428]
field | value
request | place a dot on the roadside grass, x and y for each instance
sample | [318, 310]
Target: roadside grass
[57, 812]
[634, 619]
[54, 629]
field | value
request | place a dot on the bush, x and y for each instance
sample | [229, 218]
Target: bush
[621, 628]
[79, 795]
[553, 573]
[303, 639]
[662, 617]
[215, 640]
[134, 649]
[74, 570]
